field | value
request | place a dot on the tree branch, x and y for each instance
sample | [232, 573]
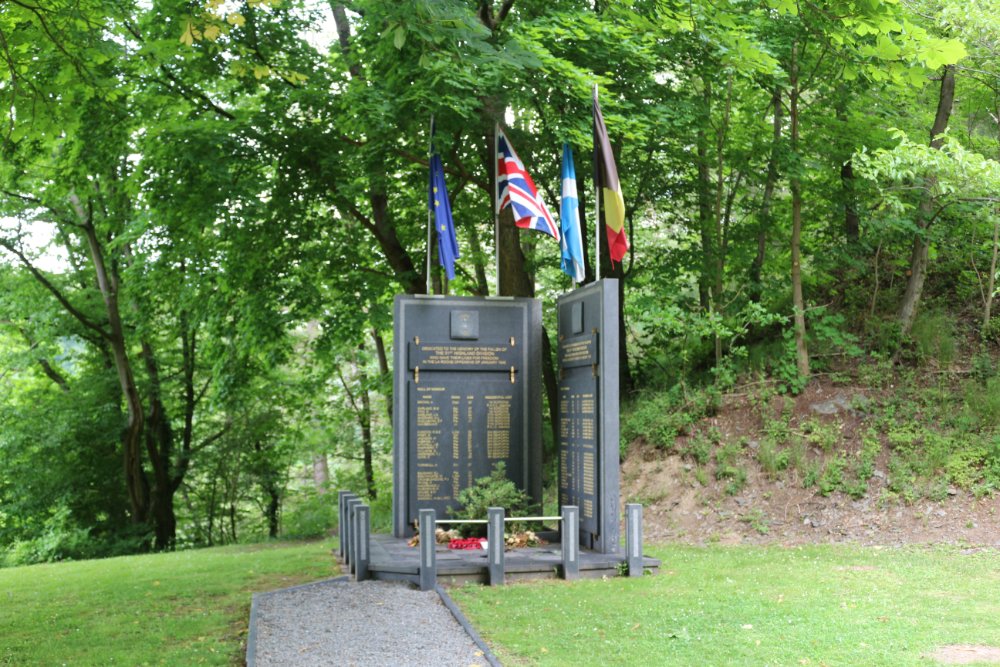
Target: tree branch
[60, 297]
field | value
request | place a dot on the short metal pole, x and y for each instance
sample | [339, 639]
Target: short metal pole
[570, 529]
[362, 529]
[342, 497]
[428, 543]
[495, 540]
[633, 539]
[352, 504]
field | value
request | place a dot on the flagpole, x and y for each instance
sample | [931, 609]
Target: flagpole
[430, 214]
[597, 203]
[496, 199]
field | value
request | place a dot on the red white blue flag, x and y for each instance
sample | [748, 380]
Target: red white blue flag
[518, 191]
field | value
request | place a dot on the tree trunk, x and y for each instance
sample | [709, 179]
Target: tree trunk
[514, 278]
[482, 286]
[212, 506]
[363, 414]
[135, 478]
[718, 247]
[269, 483]
[551, 385]
[991, 283]
[852, 221]
[159, 445]
[383, 370]
[381, 225]
[921, 242]
[626, 384]
[412, 281]
[585, 240]
[764, 224]
[798, 302]
[320, 473]
[273, 507]
[705, 224]
[365, 418]
[189, 350]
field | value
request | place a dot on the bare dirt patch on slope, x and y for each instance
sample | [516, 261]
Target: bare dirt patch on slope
[684, 502]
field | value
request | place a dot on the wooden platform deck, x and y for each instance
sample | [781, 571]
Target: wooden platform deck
[393, 559]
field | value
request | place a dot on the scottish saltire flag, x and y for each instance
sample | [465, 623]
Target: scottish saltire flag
[440, 207]
[571, 242]
[518, 191]
[606, 175]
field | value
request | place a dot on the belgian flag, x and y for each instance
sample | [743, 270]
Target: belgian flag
[607, 183]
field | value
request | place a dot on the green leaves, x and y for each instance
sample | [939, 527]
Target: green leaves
[399, 37]
[789, 7]
[953, 172]
[938, 52]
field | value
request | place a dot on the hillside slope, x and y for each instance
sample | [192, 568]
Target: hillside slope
[874, 465]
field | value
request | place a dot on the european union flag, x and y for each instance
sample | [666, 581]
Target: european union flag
[440, 208]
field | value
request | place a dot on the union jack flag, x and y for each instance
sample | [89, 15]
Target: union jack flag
[517, 190]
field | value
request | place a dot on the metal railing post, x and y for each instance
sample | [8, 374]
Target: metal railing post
[362, 531]
[495, 545]
[570, 532]
[633, 539]
[352, 504]
[342, 497]
[428, 544]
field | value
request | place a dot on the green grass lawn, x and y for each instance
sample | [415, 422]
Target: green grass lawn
[826, 605]
[183, 608]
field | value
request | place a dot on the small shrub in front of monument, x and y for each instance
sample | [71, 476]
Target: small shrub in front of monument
[496, 490]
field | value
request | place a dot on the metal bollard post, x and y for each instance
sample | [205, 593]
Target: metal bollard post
[352, 503]
[428, 543]
[495, 548]
[633, 539]
[362, 531]
[342, 497]
[570, 541]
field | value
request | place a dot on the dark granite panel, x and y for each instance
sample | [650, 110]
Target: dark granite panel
[588, 411]
[466, 394]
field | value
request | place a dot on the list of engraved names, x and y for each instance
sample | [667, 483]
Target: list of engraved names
[578, 451]
[460, 435]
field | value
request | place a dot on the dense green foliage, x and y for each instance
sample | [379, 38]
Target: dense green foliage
[750, 606]
[206, 208]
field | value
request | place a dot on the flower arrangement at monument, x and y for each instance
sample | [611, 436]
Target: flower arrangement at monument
[494, 490]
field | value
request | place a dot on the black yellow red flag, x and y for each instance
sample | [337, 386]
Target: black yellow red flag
[606, 173]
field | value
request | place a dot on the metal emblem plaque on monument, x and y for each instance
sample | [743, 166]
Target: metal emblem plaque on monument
[466, 395]
[588, 411]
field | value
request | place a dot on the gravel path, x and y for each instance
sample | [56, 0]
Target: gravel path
[357, 624]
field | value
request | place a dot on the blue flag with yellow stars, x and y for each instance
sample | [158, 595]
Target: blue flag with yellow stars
[441, 212]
